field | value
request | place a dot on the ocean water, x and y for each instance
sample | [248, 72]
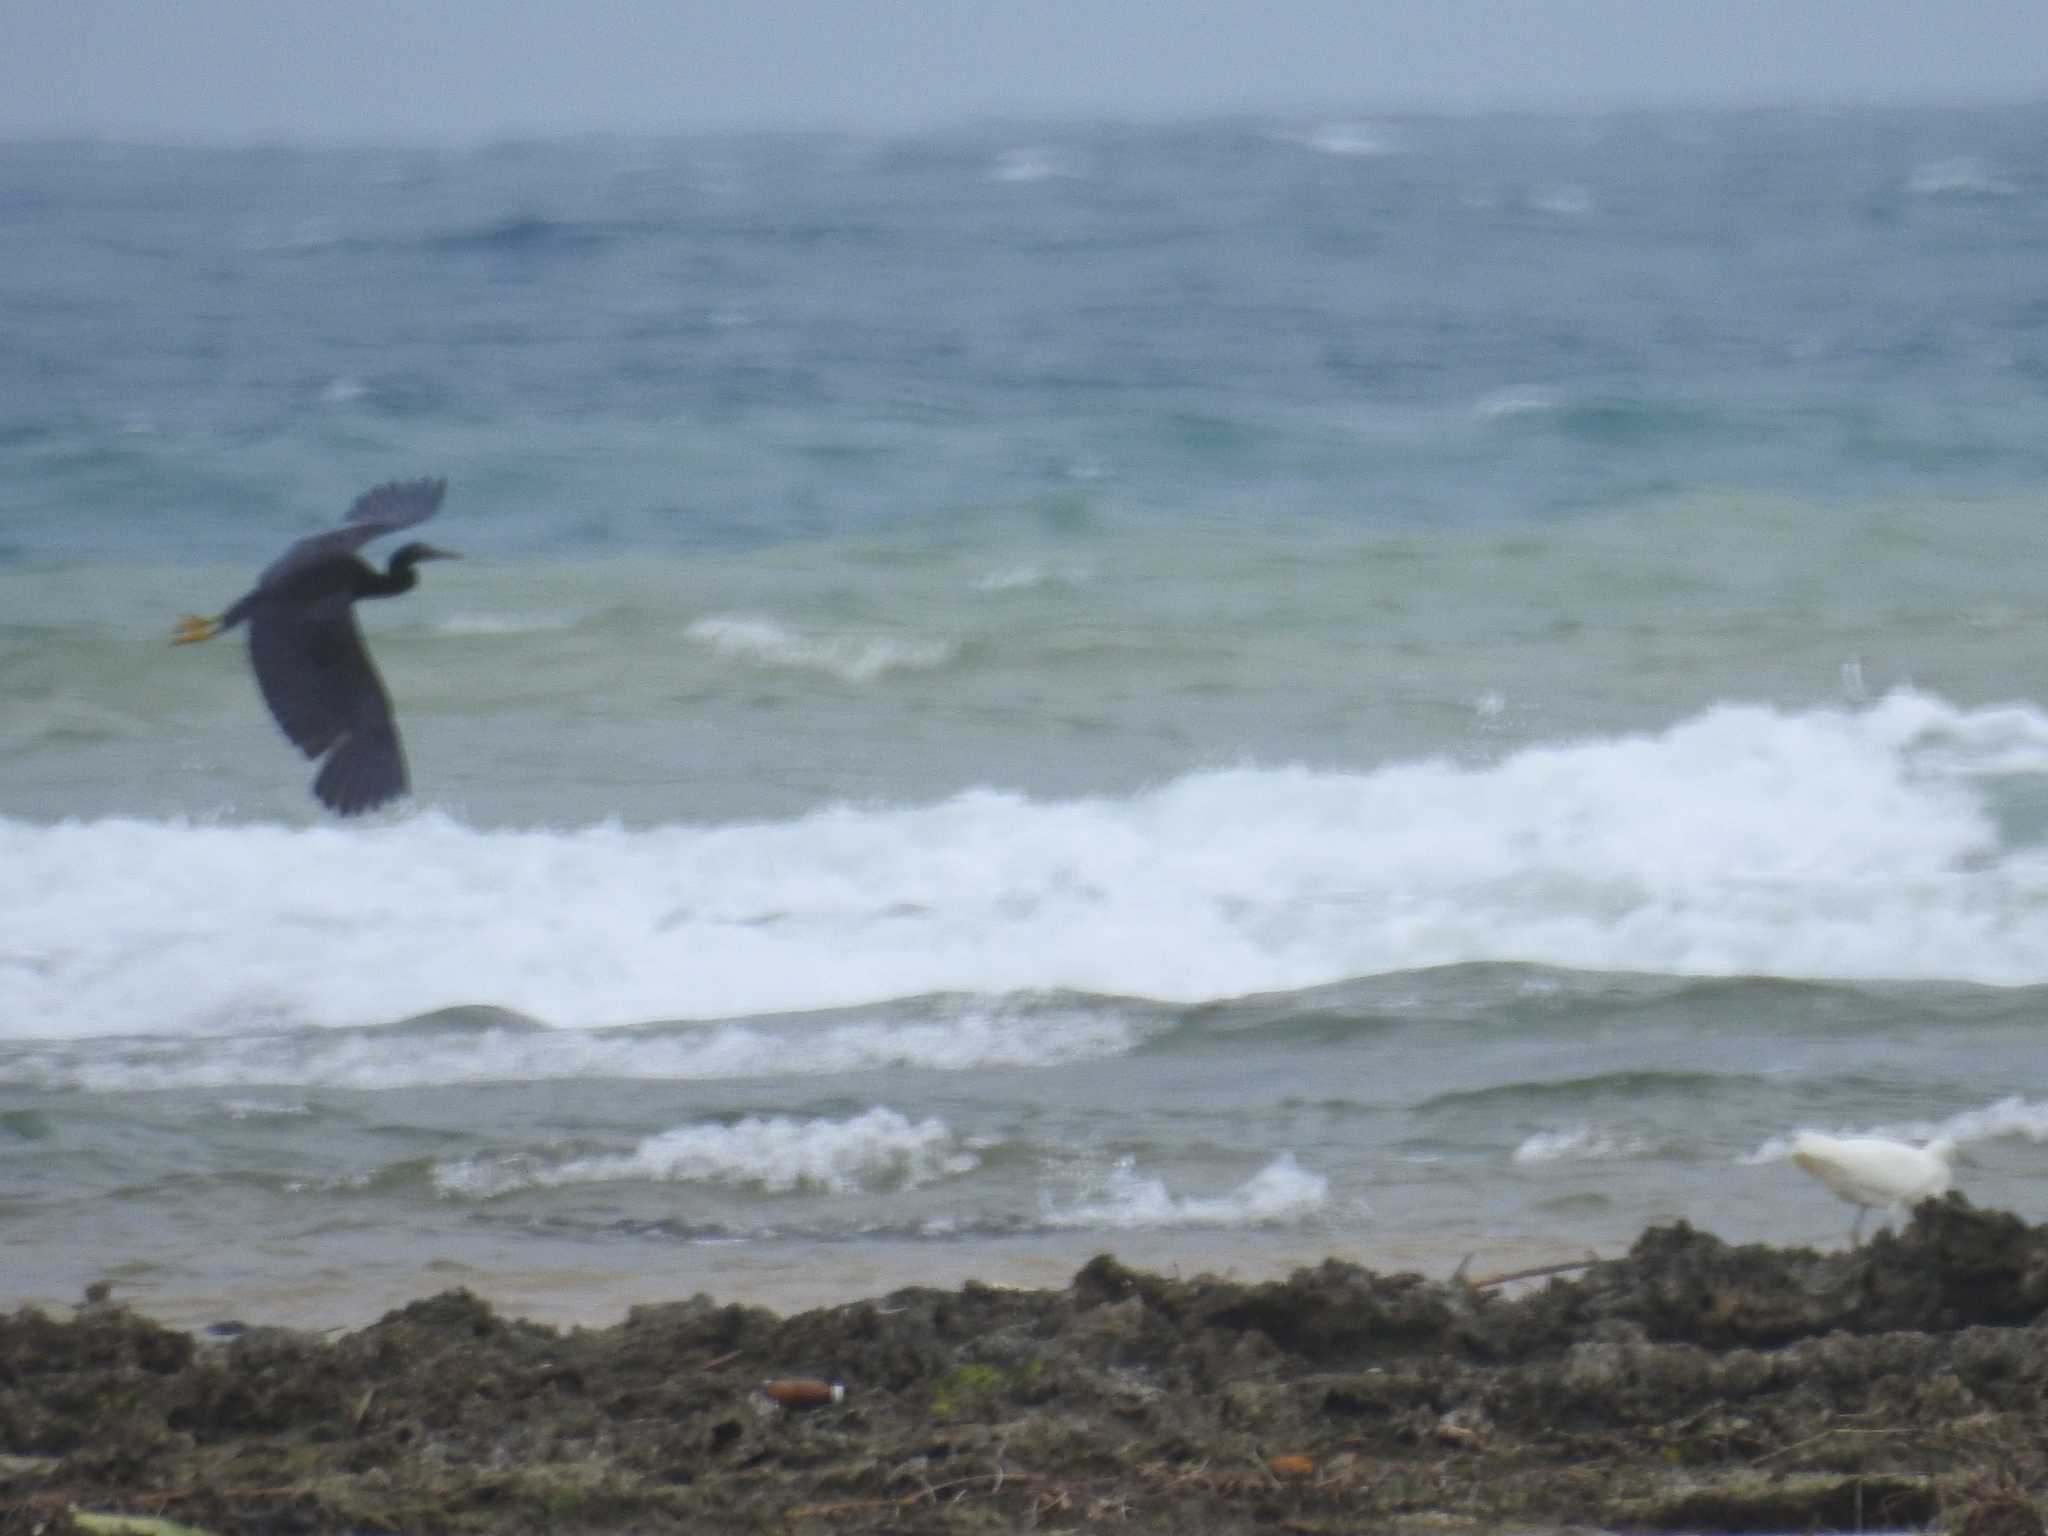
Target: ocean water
[1223, 691]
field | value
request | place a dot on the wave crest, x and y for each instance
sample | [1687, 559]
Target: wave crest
[776, 1154]
[1846, 844]
[852, 658]
[1283, 1192]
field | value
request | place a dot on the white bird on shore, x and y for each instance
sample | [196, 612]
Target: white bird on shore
[1875, 1173]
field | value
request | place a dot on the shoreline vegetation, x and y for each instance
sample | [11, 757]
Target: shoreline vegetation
[1688, 1385]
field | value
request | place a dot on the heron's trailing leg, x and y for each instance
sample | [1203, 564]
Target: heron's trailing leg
[193, 628]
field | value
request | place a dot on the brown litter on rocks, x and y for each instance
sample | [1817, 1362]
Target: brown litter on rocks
[1689, 1386]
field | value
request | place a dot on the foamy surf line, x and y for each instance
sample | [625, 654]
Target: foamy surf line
[777, 1154]
[967, 1034]
[1829, 844]
[1122, 1198]
[884, 1149]
[851, 658]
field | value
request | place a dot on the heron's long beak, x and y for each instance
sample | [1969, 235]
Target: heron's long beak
[432, 553]
[192, 628]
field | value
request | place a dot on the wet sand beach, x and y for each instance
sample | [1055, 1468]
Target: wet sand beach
[340, 1284]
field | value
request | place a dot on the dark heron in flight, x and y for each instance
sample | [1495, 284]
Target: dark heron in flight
[308, 654]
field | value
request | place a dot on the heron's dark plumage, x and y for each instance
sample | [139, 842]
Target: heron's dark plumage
[380, 510]
[308, 655]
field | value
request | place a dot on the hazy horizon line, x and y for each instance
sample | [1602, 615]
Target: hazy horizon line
[1028, 119]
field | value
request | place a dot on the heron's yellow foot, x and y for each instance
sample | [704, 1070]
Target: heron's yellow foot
[193, 628]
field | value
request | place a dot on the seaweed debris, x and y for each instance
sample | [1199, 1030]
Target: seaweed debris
[1688, 1385]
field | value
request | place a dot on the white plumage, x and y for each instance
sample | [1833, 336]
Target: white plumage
[1875, 1173]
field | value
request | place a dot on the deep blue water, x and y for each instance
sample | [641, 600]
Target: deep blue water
[715, 341]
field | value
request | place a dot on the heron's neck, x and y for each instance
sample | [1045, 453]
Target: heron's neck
[399, 577]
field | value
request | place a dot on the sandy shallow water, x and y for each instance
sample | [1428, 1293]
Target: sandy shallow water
[340, 1288]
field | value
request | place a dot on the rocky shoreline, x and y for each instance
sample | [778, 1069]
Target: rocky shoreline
[1690, 1385]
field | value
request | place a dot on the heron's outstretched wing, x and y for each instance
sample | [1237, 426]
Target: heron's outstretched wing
[324, 691]
[380, 510]
[397, 504]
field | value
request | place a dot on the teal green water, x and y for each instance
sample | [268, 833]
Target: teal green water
[1049, 661]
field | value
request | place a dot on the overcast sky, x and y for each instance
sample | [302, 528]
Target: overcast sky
[389, 70]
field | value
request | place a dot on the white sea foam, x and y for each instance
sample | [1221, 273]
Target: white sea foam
[855, 658]
[1961, 176]
[1518, 400]
[1033, 162]
[2008, 1119]
[1564, 200]
[1030, 575]
[1013, 578]
[1833, 843]
[1573, 1144]
[1348, 140]
[969, 1037]
[777, 1154]
[487, 623]
[262, 1109]
[1121, 1197]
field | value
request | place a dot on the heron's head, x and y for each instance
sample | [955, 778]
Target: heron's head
[408, 555]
